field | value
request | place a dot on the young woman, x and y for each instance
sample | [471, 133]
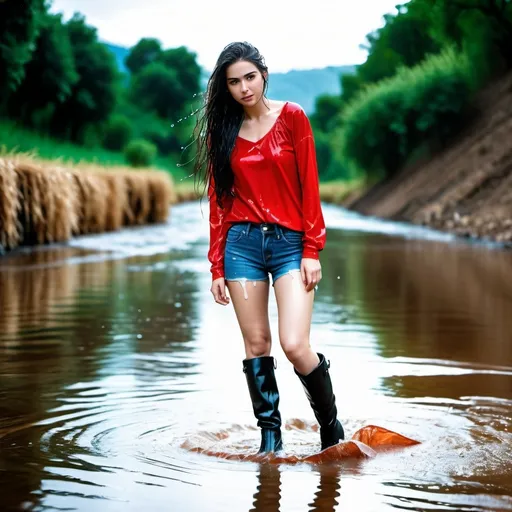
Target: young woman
[265, 218]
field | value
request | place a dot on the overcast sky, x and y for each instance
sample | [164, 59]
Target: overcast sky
[289, 33]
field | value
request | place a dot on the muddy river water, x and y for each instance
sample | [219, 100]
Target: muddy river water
[118, 372]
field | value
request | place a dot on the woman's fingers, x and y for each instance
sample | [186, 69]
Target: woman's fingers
[219, 292]
[313, 277]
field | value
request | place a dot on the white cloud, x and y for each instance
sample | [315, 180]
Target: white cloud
[290, 34]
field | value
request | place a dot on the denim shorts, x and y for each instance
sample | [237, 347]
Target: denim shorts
[255, 250]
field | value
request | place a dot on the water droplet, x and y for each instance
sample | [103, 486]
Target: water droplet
[338, 277]
[177, 304]
[172, 125]
[139, 336]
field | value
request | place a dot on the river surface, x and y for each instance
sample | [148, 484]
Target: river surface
[117, 370]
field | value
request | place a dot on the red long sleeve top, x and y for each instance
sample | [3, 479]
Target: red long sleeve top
[276, 181]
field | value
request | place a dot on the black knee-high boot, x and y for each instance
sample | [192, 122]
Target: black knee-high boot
[262, 384]
[318, 388]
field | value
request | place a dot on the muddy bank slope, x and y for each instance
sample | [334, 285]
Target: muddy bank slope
[467, 188]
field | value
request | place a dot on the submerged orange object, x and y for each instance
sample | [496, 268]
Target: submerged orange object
[374, 437]
[363, 444]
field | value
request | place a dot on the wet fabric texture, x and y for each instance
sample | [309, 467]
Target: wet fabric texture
[276, 181]
[255, 250]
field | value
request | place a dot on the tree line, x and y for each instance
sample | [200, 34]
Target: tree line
[414, 92]
[58, 78]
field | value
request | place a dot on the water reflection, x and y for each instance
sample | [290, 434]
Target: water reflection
[111, 359]
[269, 490]
[79, 347]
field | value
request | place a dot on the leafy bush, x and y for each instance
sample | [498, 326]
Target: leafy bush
[118, 132]
[140, 153]
[387, 120]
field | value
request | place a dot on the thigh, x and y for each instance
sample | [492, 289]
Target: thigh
[250, 301]
[295, 308]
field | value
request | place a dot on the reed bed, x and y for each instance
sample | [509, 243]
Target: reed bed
[42, 201]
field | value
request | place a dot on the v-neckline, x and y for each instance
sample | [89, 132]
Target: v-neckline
[270, 130]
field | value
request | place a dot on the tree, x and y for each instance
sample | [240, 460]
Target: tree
[186, 64]
[19, 27]
[327, 108]
[93, 96]
[158, 88]
[145, 52]
[49, 76]
[489, 20]
[404, 40]
[166, 82]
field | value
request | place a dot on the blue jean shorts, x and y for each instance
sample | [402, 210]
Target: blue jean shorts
[253, 251]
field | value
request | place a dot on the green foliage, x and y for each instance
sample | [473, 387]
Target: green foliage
[140, 153]
[145, 52]
[185, 63]
[326, 110]
[386, 121]
[118, 132]
[351, 84]
[49, 76]
[404, 40]
[19, 28]
[94, 95]
[158, 88]
[164, 81]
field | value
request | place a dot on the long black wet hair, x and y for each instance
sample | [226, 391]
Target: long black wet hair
[217, 129]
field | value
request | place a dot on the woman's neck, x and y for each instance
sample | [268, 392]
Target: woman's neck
[262, 108]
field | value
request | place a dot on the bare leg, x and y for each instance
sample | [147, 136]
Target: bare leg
[250, 300]
[295, 308]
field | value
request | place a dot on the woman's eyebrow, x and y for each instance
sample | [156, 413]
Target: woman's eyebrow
[246, 74]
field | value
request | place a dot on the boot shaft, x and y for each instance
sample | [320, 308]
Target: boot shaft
[262, 384]
[318, 388]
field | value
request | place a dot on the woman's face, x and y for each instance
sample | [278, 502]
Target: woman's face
[245, 83]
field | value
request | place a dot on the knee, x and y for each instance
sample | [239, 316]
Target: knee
[258, 345]
[294, 348]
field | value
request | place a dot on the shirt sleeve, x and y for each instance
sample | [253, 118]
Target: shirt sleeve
[218, 231]
[314, 225]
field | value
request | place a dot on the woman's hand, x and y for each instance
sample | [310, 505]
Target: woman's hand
[311, 272]
[218, 290]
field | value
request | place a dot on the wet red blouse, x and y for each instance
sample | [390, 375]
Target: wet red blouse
[276, 181]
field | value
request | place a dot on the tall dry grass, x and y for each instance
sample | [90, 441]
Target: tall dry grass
[49, 201]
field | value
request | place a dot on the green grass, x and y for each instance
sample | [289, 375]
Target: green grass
[14, 138]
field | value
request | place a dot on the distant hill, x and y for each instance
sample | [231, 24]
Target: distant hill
[303, 86]
[299, 86]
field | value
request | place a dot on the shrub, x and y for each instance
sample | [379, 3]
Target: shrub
[387, 120]
[118, 132]
[140, 153]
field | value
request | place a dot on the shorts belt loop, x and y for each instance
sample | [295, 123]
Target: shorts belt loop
[279, 231]
[249, 226]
